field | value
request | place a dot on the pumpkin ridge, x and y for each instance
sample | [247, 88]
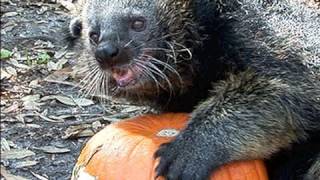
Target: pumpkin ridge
[228, 173]
[261, 170]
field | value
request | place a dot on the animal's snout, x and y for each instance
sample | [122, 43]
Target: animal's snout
[106, 52]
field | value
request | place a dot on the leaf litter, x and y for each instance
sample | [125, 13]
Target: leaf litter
[44, 120]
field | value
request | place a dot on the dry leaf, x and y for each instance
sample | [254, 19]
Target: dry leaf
[69, 101]
[31, 102]
[67, 4]
[12, 108]
[60, 75]
[85, 133]
[53, 150]
[62, 117]
[8, 176]
[11, 71]
[131, 109]
[34, 83]
[52, 66]
[34, 126]
[20, 118]
[5, 145]
[5, 1]
[25, 164]
[39, 176]
[7, 29]
[9, 14]
[16, 154]
[60, 54]
[83, 130]
[83, 102]
[4, 74]
[18, 65]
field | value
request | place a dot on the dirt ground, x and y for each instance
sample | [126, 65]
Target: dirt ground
[44, 121]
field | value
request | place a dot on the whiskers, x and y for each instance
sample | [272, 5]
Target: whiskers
[95, 83]
[156, 70]
[162, 73]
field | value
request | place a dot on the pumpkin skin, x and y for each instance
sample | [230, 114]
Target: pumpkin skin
[124, 151]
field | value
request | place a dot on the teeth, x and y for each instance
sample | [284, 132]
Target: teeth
[123, 77]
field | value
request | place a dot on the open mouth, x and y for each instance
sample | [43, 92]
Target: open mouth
[128, 75]
[125, 77]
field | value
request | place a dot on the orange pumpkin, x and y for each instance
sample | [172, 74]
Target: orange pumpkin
[124, 151]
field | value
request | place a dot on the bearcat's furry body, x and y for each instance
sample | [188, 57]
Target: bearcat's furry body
[251, 85]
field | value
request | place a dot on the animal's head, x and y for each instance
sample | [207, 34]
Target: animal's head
[137, 48]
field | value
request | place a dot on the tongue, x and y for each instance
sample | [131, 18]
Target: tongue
[123, 77]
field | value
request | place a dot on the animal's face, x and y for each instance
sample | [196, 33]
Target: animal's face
[135, 47]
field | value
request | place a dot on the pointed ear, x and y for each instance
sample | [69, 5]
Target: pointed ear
[75, 28]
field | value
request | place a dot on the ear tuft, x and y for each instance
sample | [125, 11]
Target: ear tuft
[75, 27]
[72, 33]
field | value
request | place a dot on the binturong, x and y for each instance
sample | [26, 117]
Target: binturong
[246, 70]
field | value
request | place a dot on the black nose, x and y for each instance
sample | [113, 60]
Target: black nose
[106, 52]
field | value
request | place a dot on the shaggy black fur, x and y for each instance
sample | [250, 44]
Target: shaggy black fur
[293, 164]
[253, 92]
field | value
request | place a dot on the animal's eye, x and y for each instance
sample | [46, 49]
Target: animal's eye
[139, 24]
[94, 37]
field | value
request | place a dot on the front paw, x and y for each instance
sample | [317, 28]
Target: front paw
[184, 158]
